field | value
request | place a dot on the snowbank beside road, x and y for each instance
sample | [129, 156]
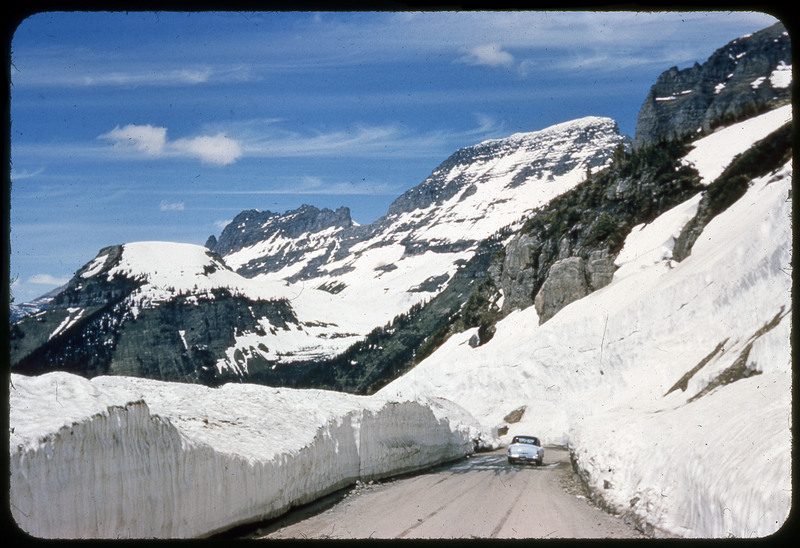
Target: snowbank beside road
[121, 457]
[671, 385]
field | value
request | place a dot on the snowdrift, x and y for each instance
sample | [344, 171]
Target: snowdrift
[671, 385]
[121, 457]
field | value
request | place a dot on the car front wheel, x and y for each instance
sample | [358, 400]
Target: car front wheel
[510, 460]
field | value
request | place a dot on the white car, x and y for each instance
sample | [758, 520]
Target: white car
[525, 449]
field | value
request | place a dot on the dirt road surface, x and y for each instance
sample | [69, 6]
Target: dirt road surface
[479, 497]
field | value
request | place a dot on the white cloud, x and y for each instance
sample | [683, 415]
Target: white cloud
[148, 139]
[152, 141]
[47, 279]
[490, 55]
[176, 206]
[218, 149]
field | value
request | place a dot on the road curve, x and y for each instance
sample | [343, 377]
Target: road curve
[479, 497]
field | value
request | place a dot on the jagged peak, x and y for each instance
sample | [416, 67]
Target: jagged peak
[251, 226]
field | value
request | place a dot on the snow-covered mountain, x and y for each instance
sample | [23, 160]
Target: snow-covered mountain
[672, 384]
[668, 375]
[328, 282]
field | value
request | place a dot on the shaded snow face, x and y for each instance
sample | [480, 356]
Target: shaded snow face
[121, 457]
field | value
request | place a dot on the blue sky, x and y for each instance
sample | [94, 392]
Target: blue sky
[164, 126]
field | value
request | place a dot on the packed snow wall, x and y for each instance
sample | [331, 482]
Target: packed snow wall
[708, 452]
[132, 458]
[672, 384]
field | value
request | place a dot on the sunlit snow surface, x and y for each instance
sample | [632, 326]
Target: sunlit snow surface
[122, 457]
[500, 189]
[712, 154]
[596, 375]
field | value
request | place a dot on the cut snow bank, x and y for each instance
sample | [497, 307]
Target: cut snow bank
[121, 457]
[671, 385]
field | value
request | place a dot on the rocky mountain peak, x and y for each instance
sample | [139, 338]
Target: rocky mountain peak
[252, 226]
[744, 77]
[552, 151]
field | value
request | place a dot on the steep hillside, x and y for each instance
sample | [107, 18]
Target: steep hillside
[671, 384]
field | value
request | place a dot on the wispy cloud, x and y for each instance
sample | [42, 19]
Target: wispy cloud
[25, 174]
[171, 206]
[312, 185]
[170, 77]
[360, 139]
[47, 279]
[98, 73]
[317, 185]
[220, 225]
[390, 140]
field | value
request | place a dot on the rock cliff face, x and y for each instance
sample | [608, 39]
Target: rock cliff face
[739, 80]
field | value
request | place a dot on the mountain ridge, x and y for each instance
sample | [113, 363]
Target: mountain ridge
[534, 219]
[337, 280]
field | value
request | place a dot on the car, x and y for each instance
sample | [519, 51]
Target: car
[525, 449]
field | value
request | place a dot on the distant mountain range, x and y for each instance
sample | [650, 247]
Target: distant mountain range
[309, 298]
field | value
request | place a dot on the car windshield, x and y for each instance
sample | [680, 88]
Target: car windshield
[529, 441]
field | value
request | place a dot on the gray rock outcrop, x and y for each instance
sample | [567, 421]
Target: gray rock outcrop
[740, 79]
[518, 274]
[565, 283]
[571, 279]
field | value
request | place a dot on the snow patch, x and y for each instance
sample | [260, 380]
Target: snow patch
[713, 153]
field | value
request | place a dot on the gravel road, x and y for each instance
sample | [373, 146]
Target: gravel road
[479, 497]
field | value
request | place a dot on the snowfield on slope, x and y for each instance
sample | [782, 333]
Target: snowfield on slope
[379, 278]
[713, 153]
[122, 457]
[671, 385]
